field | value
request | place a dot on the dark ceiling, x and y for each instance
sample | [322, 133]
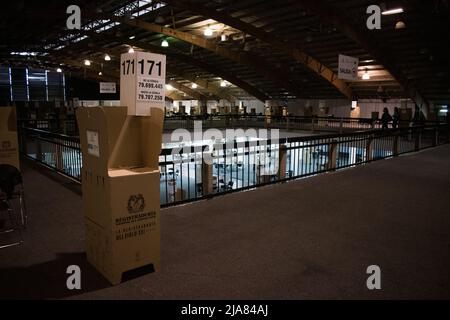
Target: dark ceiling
[274, 49]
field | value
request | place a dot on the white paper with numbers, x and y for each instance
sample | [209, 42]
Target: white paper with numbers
[107, 87]
[142, 82]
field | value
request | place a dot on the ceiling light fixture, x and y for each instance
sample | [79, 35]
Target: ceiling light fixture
[194, 86]
[392, 11]
[223, 83]
[100, 73]
[223, 37]
[107, 57]
[164, 43]
[400, 25]
[87, 63]
[131, 50]
[366, 75]
[59, 70]
[208, 32]
[132, 37]
[169, 87]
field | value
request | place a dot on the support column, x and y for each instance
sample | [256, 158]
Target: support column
[332, 155]
[282, 161]
[369, 149]
[435, 137]
[59, 158]
[207, 178]
[418, 138]
[395, 145]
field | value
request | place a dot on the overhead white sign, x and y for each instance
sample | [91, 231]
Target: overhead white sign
[107, 87]
[142, 82]
[348, 67]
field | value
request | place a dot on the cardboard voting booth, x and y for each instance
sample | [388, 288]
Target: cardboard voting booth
[120, 180]
[9, 146]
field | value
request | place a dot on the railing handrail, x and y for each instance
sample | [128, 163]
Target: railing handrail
[235, 144]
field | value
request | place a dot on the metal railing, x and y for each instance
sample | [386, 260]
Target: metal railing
[314, 123]
[185, 175]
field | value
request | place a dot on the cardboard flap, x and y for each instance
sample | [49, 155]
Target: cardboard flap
[110, 139]
[9, 119]
[102, 127]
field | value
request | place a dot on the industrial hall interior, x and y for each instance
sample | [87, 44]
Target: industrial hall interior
[224, 149]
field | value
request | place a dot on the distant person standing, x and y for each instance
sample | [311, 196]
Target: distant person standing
[385, 118]
[419, 117]
[395, 118]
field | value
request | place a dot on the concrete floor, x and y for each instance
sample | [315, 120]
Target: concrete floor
[307, 239]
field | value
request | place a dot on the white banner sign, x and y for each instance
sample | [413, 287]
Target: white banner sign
[107, 87]
[348, 67]
[142, 82]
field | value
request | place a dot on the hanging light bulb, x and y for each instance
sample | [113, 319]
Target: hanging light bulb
[100, 73]
[223, 83]
[87, 63]
[194, 86]
[59, 70]
[366, 75]
[400, 25]
[164, 43]
[169, 87]
[208, 32]
[107, 57]
[131, 50]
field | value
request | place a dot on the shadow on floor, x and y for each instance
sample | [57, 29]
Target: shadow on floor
[48, 280]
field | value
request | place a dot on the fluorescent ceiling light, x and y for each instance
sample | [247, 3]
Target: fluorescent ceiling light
[87, 63]
[194, 86]
[107, 57]
[164, 43]
[59, 70]
[208, 32]
[131, 50]
[132, 37]
[100, 73]
[392, 11]
[223, 83]
[366, 75]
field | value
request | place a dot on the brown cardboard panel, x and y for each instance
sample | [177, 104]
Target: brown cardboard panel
[9, 145]
[120, 186]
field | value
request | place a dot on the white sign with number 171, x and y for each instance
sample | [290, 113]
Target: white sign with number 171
[142, 82]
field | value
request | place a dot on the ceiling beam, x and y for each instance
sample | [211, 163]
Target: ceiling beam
[174, 96]
[311, 63]
[278, 75]
[366, 41]
[208, 86]
[190, 92]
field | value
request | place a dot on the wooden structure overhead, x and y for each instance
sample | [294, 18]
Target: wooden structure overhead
[261, 49]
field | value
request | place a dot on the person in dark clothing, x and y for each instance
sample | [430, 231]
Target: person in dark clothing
[419, 117]
[385, 118]
[395, 118]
